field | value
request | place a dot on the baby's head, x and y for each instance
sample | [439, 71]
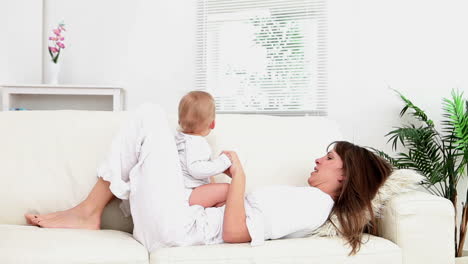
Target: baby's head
[197, 113]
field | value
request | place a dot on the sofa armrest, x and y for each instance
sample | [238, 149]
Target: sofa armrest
[422, 225]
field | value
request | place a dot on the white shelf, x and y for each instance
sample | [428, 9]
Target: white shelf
[33, 89]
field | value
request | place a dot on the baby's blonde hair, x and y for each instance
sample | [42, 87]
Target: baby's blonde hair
[196, 111]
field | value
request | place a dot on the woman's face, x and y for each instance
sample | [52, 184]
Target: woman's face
[328, 169]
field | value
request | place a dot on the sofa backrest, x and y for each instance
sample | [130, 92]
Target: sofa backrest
[48, 159]
[274, 149]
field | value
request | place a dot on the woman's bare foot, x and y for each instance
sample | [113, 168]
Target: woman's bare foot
[79, 217]
[31, 217]
[86, 215]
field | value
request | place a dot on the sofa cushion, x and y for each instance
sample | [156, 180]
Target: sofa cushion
[27, 244]
[301, 250]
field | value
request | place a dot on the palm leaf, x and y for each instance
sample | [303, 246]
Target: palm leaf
[418, 113]
[424, 153]
[396, 163]
[457, 117]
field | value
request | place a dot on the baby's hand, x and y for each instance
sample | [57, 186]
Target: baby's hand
[227, 153]
[227, 171]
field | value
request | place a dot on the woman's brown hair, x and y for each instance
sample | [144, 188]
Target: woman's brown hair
[364, 173]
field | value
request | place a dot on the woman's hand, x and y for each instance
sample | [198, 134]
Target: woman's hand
[236, 168]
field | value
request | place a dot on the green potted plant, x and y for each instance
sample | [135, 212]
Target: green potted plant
[441, 157]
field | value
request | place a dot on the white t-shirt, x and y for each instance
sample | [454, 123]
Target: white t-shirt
[195, 159]
[285, 212]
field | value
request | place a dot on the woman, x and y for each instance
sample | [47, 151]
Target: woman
[143, 168]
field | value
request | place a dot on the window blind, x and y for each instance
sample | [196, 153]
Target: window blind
[263, 56]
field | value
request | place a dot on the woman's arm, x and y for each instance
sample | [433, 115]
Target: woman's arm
[234, 225]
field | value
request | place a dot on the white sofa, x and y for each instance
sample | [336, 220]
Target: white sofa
[48, 161]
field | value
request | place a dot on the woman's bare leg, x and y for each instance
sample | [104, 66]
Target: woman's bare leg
[122, 157]
[86, 215]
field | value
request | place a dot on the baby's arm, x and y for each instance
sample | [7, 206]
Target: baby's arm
[209, 195]
[199, 164]
[202, 169]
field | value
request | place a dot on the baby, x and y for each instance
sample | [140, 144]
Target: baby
[196, 120]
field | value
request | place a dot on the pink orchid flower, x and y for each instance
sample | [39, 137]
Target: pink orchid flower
[57, 42]
[61, 45]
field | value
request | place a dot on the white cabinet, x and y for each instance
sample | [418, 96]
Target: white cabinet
[46, 89]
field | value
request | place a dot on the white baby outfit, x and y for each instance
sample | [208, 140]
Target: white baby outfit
[195, 160]
[143, 167]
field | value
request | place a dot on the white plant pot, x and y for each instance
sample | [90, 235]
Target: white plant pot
[52, 74]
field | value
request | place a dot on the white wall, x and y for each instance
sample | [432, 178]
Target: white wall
[150, 54]
[162, 53]
[20, 41]
[96, 42]
[416, 47]
[96, 37]
[3, 42]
